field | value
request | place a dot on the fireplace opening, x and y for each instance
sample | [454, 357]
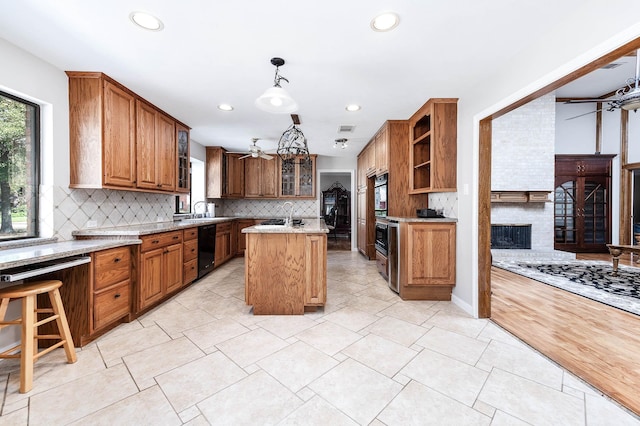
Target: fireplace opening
[511, 236]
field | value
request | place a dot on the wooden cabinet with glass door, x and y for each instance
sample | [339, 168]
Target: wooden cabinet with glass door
[297, 177]
[183, 175]
[582, 203]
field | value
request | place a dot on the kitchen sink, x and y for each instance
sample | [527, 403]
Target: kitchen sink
[195, 220]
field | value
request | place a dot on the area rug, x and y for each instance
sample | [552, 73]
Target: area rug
[590, 279]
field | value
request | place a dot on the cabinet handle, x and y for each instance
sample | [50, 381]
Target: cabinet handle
[166, 251]
[116, 295]
[116, 260]
[192, 250]
[155, 241]
[175, 237]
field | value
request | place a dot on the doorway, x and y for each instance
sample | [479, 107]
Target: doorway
[342, 236]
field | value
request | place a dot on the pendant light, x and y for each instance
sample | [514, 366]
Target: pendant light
[275, 99]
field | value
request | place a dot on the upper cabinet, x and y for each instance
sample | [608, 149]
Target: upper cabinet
[156, 148]
[120, 141]
[183, 177]
[433, 147]
[297, 177]
[260, 178]
[224, 174]
[382, 151]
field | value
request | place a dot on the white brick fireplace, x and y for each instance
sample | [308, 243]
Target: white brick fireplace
[523, 157]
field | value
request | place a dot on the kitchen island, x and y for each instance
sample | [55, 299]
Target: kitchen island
[286, 268]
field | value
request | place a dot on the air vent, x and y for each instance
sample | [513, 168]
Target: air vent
[346, 128]
[611, 66]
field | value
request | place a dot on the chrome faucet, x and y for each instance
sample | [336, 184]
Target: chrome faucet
[288, 220]
[194, 214]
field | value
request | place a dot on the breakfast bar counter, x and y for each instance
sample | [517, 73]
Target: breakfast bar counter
[285, 268]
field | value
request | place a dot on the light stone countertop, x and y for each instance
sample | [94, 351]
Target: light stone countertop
[23, 256]
[148, 228]
[309, 226]
[420, 219]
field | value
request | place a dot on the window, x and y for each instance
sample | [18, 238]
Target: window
[19, 167]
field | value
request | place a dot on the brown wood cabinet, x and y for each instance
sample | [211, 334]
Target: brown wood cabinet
[189, 255]
[382, 264]
[261, 178]
[117, 139]
[433, 146]
[382, 151]
[286, 272]
[111, 286]
[225, 243]
[582, 203]
[224, 174]
[297, 178]
[161, 267]
[427, 260]
[156, 148]
[96, 296]
[366, 223]
[183, 157]
[241, 244]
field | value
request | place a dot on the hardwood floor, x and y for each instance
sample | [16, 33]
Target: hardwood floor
[596, 342]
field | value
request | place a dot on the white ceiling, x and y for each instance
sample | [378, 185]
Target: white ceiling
[214, 51]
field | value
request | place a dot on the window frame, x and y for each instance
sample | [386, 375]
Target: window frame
[35, 167]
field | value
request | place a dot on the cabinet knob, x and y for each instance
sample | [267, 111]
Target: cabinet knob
[117, 295]
[116, 260]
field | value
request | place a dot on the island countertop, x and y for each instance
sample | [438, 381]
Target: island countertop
[309, 226]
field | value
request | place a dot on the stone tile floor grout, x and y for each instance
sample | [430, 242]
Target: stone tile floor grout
[366, 358]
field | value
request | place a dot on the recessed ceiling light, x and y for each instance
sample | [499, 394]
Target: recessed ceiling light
[146, 21]
[352, 107]
[225, 107]
[385, 21]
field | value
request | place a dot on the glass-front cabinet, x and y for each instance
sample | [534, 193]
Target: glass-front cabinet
[183, 175]
[298, 177]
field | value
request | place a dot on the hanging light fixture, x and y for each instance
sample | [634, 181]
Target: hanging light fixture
[292, 144]
[276, 99]
[340, 143]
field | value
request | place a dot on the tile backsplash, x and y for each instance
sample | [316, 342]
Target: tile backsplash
[65, 210]
[266, 208]
[447, 201]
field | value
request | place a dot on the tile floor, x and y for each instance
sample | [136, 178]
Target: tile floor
[366, 358]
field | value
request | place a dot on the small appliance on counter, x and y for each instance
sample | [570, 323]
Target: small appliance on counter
[427, 213]
[211, 209]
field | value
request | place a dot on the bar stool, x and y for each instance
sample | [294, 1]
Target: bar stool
[29, 323]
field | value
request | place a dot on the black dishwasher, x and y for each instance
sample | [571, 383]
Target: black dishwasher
[206, 249]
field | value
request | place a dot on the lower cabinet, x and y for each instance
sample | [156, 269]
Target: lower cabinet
[111, 286]
[225, 243]
[189, 255]
[427, 260]
[241, 239]
[161, 267]
[382, 264]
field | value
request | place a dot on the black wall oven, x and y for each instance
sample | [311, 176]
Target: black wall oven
[380, 196]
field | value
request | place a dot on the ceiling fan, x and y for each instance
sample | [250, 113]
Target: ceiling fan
[627, 97]
[254, 151]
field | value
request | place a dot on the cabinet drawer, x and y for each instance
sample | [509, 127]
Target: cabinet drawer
[190, 250]
[223, 227]
[111, 266]
[111, 305]
[160, 240]
[190, 271]
[190, 234]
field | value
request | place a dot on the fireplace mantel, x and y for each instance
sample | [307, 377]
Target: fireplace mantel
[520, 196]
